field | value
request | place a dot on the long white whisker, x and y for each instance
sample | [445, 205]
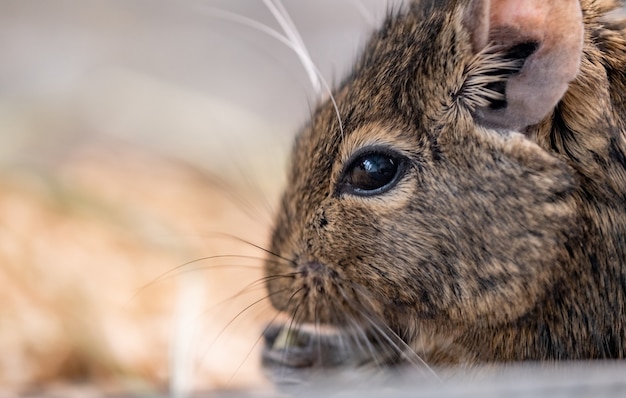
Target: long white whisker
[360, 338]
[385, 334]
[302, 54]
[294, 34]
[360, 332]
[291, 33]
[404, 349]
[335, 106]
[355, 332]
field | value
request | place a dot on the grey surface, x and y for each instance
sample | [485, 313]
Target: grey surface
[575, 380]
[591, 379]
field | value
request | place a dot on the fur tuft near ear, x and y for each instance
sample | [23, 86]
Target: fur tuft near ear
[526, 54]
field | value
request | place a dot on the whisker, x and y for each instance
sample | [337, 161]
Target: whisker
[239, 314]
[272, 277]
[251, 23]
[248, 288]
[210, 267]
[225, 235]
[269, 324]
[344, 346]
[362, 333]
[299, 50]
[386, 339]
[291, 323]
[291, 33]
[376, 352]
[317, 80]
[172, 272]
[371, 318]
[360, 336]
[387, 333]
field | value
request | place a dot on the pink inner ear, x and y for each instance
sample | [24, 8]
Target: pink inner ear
[549, 22]
[526, 16]
[544, 21]
[557, 27]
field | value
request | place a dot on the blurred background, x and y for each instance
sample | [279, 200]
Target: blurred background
[143, 145]
[180, 77]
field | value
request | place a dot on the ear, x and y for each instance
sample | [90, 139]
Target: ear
[526, 54]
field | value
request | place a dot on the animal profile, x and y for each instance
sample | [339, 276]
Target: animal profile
[461, 198]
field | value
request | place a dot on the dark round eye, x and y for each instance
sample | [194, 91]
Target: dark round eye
[372, 173]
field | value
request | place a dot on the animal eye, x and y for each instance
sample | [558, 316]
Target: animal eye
[372, 173]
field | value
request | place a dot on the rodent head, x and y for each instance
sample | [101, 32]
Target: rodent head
[426, 207]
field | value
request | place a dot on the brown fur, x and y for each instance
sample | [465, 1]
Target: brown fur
[495, 244]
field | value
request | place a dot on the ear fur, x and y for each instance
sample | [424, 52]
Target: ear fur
[526, 52]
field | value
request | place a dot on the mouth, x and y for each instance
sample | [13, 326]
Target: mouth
[306, 346]
[293, 352]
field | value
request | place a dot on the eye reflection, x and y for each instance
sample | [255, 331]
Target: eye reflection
[372, 173]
